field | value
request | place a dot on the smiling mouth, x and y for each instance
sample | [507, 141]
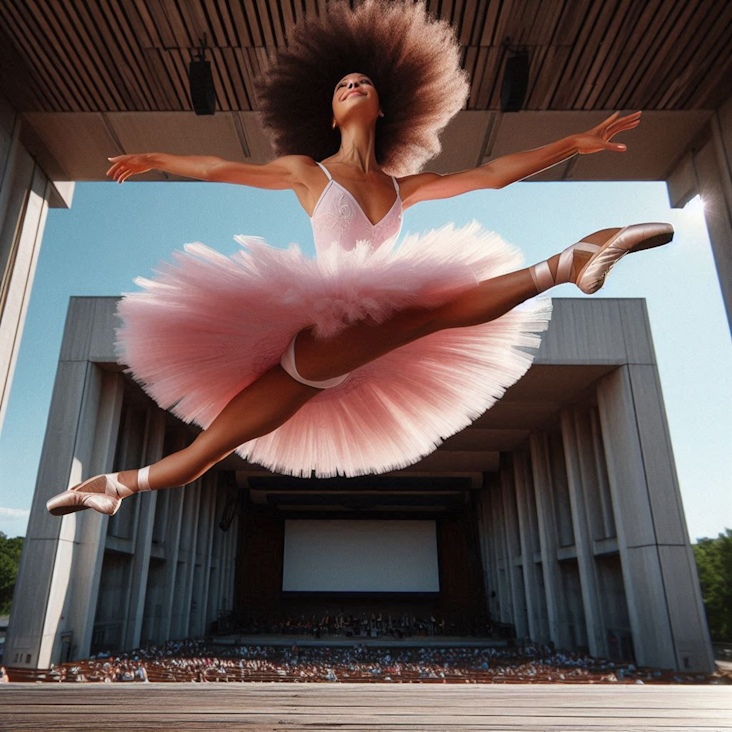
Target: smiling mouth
[355, 91]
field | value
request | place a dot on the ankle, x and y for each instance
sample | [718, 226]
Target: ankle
[128, 478]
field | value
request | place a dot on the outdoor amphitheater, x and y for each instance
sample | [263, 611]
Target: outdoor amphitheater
[534, 572]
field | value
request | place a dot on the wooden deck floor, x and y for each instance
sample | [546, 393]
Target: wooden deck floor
[322, 706]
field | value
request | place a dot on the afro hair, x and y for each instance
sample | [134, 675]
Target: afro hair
[412, 57]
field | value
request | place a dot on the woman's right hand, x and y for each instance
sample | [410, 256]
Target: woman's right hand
[123, 166]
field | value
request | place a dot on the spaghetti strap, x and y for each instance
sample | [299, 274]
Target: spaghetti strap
[396, 185]
[325, 170]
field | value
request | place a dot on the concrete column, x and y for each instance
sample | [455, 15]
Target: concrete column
[706, 170]
[544, 492]
[499, 547]
[661, 583]
[25, 196]
[214, 573]
[193, 500]
[172, 543]
[513, 551]
[522, 480]
[604, 503]
[61, 559]
[143, 539]
[583, 491]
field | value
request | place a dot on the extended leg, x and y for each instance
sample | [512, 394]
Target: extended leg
[364, 341]
[258, 409]
[273, 398]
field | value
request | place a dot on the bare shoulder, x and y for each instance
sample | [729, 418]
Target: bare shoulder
[410, 187]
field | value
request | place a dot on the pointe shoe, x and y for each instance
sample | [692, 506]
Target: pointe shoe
[71, 501]
[591, 277]
[104, 493]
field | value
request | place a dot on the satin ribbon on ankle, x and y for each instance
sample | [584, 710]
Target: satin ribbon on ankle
[142, 479]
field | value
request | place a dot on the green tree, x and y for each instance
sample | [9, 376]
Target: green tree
[9, 561]
[714, 564]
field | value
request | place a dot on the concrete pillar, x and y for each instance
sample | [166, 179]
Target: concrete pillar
[143, 538]
[543, 490]
[193, 502]
[214, 574]
[661, 582]
[26, 194]
[61, 559]
[582, 477]
[522, 480]
[513, 552]
[172, 543]
[706, 170]
[499, 548]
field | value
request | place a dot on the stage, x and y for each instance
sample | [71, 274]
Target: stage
[317, 706]
[308, 641]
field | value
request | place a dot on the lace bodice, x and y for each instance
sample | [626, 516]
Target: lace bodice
[338, 216]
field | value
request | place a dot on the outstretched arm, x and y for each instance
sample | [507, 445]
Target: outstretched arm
[283, 172]
[508, 169]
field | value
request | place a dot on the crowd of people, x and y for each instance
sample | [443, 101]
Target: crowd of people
[204, 662]
[349, 625]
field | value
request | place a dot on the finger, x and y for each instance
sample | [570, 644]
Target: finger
[125, 176]
[621, 125]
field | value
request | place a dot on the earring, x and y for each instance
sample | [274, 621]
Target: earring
[333, 125]
[381, 114]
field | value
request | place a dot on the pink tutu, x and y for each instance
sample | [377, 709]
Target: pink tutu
[209, 325]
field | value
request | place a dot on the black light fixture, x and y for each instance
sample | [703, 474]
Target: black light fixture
[515, 81]
[200, 82]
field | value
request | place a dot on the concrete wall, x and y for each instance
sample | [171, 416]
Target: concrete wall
[584, 538]
[25, 196]
[705, 169]
[160, 568]
[581, 531]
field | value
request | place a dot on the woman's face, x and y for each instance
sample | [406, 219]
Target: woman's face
[355, 98]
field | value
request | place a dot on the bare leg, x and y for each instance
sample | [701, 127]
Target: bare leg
[256, 410]
[274, 397]
[364, 342]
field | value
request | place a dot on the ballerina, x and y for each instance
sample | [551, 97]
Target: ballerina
[365, 358]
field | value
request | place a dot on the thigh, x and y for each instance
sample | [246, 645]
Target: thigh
[259, 408]
[318, 359]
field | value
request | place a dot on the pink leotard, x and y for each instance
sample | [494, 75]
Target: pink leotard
[338, 216]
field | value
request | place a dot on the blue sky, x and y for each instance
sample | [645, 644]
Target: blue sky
[113, 233]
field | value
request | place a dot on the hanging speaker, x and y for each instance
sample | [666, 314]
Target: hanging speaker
[201, 85]
[515, 82]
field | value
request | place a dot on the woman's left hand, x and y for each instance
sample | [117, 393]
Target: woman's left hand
[598, 138]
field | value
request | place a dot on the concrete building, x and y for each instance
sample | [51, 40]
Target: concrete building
[558, 511]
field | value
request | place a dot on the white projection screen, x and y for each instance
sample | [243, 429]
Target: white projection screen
[334, 555]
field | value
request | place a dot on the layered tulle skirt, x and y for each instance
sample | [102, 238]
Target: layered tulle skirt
[207, 325]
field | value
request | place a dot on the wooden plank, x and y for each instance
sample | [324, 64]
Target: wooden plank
[242, 28]
[26, 34]
[71, 35]
[466, 27]
[715, 51]
[125, 58]
[374, 706]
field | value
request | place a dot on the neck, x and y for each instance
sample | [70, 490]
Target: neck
[357, 150]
